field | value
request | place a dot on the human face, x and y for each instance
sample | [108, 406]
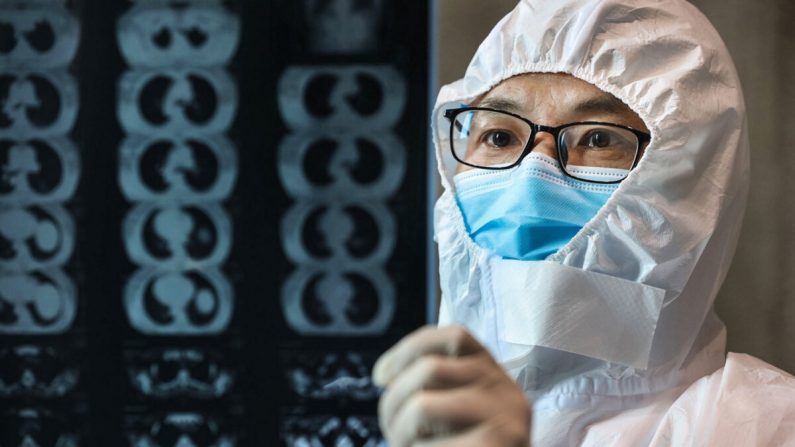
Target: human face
[555, 99]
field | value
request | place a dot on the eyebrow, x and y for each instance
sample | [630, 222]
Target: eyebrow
[602, 104]
[605, 103]
[501, 103]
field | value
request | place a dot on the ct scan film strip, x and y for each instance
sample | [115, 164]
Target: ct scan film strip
[39, 173]
[176, 103]
[339, 286]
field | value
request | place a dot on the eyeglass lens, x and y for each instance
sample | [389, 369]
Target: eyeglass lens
[490, 139]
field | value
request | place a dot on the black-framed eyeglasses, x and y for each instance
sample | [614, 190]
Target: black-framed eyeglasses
[486, 138]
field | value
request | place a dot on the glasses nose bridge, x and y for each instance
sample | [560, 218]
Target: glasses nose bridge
[545, 145]
[554, 131]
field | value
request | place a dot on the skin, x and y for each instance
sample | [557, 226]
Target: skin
[442, 387]
[554, 99]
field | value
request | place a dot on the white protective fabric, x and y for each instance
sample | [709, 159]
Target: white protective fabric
[606, 334]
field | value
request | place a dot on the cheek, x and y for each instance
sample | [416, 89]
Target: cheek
[459, 168]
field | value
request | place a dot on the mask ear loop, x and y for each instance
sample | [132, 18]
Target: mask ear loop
[444, 134]
[441, 135]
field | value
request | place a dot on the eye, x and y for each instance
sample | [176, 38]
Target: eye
[600, 138]
[499, 138]
[599, 145]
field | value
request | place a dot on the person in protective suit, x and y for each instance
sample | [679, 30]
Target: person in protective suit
[596, 165]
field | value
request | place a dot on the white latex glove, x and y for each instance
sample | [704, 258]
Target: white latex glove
[443, 388]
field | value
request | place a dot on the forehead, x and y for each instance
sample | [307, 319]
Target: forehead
[541, 85]
[558, 98]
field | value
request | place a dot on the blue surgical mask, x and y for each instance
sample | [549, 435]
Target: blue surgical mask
[530, 211]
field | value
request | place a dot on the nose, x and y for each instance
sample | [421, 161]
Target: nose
[544, 143]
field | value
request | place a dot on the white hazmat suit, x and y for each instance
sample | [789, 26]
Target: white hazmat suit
[614, 338]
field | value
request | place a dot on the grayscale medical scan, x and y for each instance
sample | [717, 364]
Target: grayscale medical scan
[383, 223]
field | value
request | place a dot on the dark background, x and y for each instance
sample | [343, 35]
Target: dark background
[256, 379]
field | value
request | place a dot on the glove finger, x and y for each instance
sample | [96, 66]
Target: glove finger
[452, 341]
[491, 434]
[433, 413]
[431, 372]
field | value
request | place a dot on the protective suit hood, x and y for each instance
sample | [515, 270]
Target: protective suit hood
[626, 307]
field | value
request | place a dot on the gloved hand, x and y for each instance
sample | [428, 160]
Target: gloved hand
[443, 388]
